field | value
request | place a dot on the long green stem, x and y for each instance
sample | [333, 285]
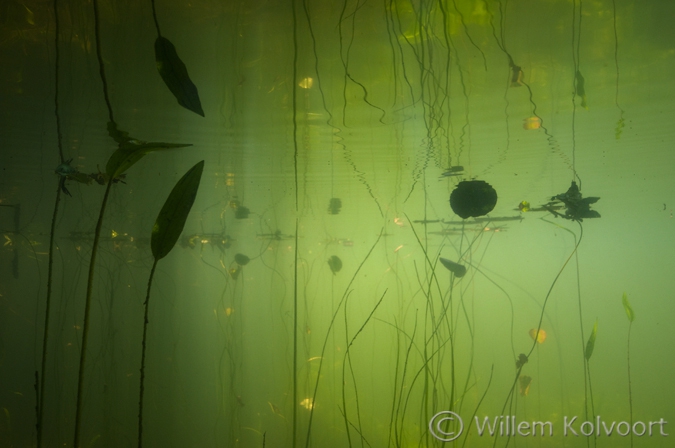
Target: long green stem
[475, 411]
[541, 316]
[145, 334]
[348, 360]
[328, 333]
[85, 325]
[630, 386]
[45, 336]
[50, 262]
[588, 385]
[297, 224]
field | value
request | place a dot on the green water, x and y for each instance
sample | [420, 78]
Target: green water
[327, 129]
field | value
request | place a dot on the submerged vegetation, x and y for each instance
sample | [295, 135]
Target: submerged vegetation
[375, 246]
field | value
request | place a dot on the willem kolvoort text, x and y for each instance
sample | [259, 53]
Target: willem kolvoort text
[506, 425]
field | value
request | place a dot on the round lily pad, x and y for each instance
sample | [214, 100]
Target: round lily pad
[335, 264]
[241, 259]
[473, 198]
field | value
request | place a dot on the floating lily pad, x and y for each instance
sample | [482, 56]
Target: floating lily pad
[453, 267]
[241, 259]
[473, 198]
[521, 361]
[335, 264]
[334, 206]
[241, 212]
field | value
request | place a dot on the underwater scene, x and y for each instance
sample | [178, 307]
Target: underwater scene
[337, 223]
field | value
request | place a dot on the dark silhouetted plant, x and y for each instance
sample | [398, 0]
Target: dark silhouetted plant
[168, 227]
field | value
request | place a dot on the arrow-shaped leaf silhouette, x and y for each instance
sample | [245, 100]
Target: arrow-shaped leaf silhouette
[175, 76]
[171, 219]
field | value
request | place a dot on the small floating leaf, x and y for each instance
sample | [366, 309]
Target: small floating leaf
[627, 307]
[590, 345]
[174, 213]
[335, 264]
[539, 336]
[579, 87]
[241, 259]
[334, 206]
[521, 361]
[619, 128]
[175, 76]
[241, 212]
[234, 272]
[525, 382]
[453, 267]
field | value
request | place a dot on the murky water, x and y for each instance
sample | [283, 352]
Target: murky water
[305, 303]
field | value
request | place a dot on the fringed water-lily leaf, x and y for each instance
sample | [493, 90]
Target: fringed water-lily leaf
[175, 76]
[171, 219]
[473, 198]
[590, 345]
[628, 308]
[131, 151]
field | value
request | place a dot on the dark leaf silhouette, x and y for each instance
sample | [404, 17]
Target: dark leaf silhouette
[590, 345]
[335, 264]
[171, 219]
[116, 134]
[175, 76]
[241, 259]
[131, 151]
[123, 159]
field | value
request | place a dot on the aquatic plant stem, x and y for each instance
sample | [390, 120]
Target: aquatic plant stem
[630, 386]
[45, 336]
[87, 307]
[588, 384]
[492, 370]
[101, 65]
[348, 360]
[50, 262]
[154, 16]
[294, 92]
[143, 344]
[295, 336]
[328, 333]
[631, 316]
[541, 317]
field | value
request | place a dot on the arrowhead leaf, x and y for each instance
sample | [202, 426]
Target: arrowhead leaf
[590, 345]
[627, 307]
[175, 76]
[171, 219]
[131, 151]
